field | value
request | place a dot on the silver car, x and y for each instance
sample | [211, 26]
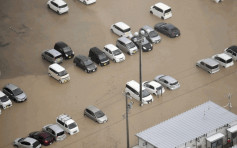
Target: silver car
[95, 114]
[167, 81]
[151, 35]
[26, 143]
[209, 65]
[126, 45]
[52, 56]
[56, 131]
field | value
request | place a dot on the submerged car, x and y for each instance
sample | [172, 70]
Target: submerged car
[161, 10]
[167, 81]
[151, 35]
[114, 53]
[167, 29]
[85, 63]
[95, 114]
[153, 87]
[209, 65]
[59, 73]
[43, 137]
[64, 49]
[58, 6]
[26, 143]
[232, 51]
[98, 56]
[224, 60]
[121, 29]
[52, 56]
[146, 45]
[126, 45]
[88, 2]
[56, 131]
[5, 102]
[67, 124]
[14, 93]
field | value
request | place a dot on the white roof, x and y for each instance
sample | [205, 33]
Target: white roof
[154, 83]
[57, 67]
[162, 6]
[215, 137]
[1, 94]
[188, 125]
[59, 2]
[224, 56]
[122, 25]
[232, 129]
[111, 47]
[135, 85]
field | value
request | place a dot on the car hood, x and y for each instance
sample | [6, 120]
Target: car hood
[155, 38]
[21, 96]
[119, 56]
[102, 119]
[7, 102]
[91, 67]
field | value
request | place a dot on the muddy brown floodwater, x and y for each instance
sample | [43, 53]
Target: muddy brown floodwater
[28, 28]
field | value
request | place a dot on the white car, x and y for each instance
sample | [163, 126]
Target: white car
[67, 124]
[153, 87]
[121, 29]
[161, 10]
[88, 2]
[5, 102]
[114, 53]
[224, 60]
[58, 72]
[58, 6]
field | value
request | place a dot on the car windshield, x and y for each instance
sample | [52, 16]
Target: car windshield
[145, 93]
[167, 11]
[174, 83]
[72, 125]
[153, 34]
[229, 61]
[212, 67]
[60, 134]
[62, 73]
[66, 49]
[117, 52]
[130, 45]
[63, 6]
[17, 91]
[99, 114]
[36, 144]
[102, 56]
[88, 62]
[4, 99]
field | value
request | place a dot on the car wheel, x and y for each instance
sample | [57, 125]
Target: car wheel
[58, 12]
[49, 74]
[84, 2]
[112, 30]
[151, 12]
[15, 145]
[48, 6]
[162, 18]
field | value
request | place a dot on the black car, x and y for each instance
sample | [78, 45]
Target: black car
[85, 63]
[167, 29]
[43, 137]
[14, 93]
[146, 45]
[98, 56]
[64, 49]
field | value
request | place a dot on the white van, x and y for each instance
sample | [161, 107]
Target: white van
[133, 89]
[121, 29]
[58, 72]
[67, 124]
[161, 10]
[218, 1]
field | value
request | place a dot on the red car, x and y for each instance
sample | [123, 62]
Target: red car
[43, 137]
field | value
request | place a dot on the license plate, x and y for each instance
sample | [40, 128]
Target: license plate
[69, 56]
[105, 63]
[177, 35]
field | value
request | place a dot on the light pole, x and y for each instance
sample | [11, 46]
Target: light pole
[139, 39]
[128, 106]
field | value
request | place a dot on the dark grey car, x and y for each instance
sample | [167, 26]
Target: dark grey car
[167, 29]
[14, 93]
[95, 114]
[52, 56]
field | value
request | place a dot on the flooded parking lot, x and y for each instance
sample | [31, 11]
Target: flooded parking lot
[29, 27]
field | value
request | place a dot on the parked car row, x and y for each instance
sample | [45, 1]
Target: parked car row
[155, 87]
[212, 65]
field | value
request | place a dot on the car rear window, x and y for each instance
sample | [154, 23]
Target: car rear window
[63, 6]
[229, 61]
[60, 134]
[99, 114]
[59, 56]
[36, 144]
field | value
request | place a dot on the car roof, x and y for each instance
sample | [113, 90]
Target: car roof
[65, 118]
[44, 134]
[54, 52]
[57, 67]
[124, 40]
[61, 44]
[122, 25]
[1, 94]
[135, 85]
[169, 79]
[224, 56]
[170, 26]
[56, 128]
[162, 6]
[11, 86]
[82, 57]
[59, 2]
[111, 47]
[147, 28]
[210, 62]
[30, 140]
[233, 48]
[96, 50]
[154, 83]
[93, 108]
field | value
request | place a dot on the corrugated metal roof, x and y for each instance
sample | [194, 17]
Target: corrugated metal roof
[188, 125]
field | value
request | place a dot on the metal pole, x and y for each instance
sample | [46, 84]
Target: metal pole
[127, 128]
[140, 71]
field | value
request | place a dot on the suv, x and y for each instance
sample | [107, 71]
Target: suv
[26, 143]
[66, 123]
[58, 72]
[232, 51]
[58, 5]
[95, 114]
[114, 53]
[14, 93]
[209, 65]
[98, 56]
[151, 34]
[146, 45]
[52, 56]
[64, 49]
[56, 131]
[5, 102]
[126, 45]
[133, 89]
[161, 10]
[223, 59]
[121, 29]
[85, 63]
